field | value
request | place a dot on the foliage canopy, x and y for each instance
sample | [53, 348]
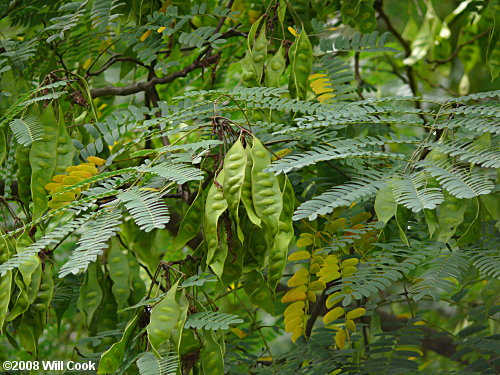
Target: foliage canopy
[251, 187]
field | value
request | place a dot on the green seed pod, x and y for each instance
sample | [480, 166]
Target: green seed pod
[65, 148]
[266, 193]
[136, 283]
[164, 316]
[43, 159]
[215, 205]
[279, 252]
[301, 59]
[119, 273]
[212, 355]
[90, 293]
[23, 174]
[234, 175]
[5, 281]
[246, 190]
[275, 68]
[191, 223]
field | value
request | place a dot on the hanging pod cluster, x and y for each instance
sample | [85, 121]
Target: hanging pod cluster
[316, 270]
[261, 207]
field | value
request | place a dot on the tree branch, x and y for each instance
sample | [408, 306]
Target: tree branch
[459, 47]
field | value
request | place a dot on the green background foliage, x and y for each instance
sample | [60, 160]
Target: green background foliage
[251, 187]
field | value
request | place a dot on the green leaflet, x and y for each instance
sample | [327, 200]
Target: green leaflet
[112, 358]
[164, 316]
[234, 175]
[191, 223]
[108, 318]
[119, 273]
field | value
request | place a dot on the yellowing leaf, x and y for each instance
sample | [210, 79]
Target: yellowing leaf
[52, 186]
[332, 315]
[299, 255]
[348, 271]
[311, 296]
[238, 332]
[292, 31]
[299, 305]
[356, 313]
[145, 35]
[96, 160]
[293, 323]
[87, 63]
[58, 177]
[293, 314]
[295, 294]
[161, 29]
[304, 241]
[299, 278]
[317, 285]
[333, 299]
[316, 76]
[324, 97]
[297, 332]
[81, 174]
[340, 338]
[315, 268]
[349, 262]
[265, 359]
[350, 325]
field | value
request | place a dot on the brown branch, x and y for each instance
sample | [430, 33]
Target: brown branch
[146, 86]
[459, 47]
[112, 61]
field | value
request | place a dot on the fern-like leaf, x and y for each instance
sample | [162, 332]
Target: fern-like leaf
[149, 364]
[211, 320]
[146, 207]
[180, 173]
[340, 196]
[442, 275]
[486, 261]
[102, 13]
[93, 241]
[457, 181]
[410, 191]
[27, 130]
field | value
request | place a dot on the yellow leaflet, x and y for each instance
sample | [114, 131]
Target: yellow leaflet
[292, 31]
[315, 268]
[297, 321]
[316, 75]
[299, 255]
[296, 333]
[52, 186]
[102, 106]
[81, 174]
[356, 313]
[299, 305]
[151, 189]
[350, 325]
[304, 241]
[340, 338]
[87, 63]
[348, 271]
[311, 296]
[349, 262]
[325, 97]
[333, 299]
[419, 323]
[333, 315]
[145, 35]
[295, 294]
[317, 285]
[238, 332]
[58, 177]
[161, 29]
[96, 160]
[299, 278]
[265, 359]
